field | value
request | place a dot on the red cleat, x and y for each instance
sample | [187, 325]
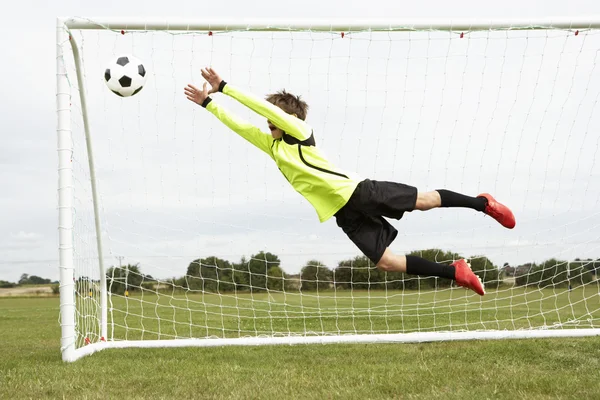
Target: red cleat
[498, 211]
[466, 278]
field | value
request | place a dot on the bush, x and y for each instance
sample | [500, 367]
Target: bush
[55, 288]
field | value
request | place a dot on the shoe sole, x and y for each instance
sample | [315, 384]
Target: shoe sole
[478, 278]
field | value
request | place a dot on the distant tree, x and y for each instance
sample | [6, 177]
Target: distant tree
[275, 278]
[358, 273]
[6, 284]
[522, 273]
[119, 279]
[553, 273]
[315, 276]
[211, 274]
[259, 268]
[173, 283]
[33, 280]
[241, 275]
[486, 270]
[55, 288]
[591, 265]
[36, 280]
[578, 274]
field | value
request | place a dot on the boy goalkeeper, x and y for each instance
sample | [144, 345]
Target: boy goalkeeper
[359, 206]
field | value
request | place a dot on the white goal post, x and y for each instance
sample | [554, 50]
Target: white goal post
[164, 213]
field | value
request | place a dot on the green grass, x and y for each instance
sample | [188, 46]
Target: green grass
[166, 316]
[31, 367]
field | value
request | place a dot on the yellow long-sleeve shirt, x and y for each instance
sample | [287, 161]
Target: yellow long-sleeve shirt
[326, 187]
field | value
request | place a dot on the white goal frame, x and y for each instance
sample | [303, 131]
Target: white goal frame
[65, 170]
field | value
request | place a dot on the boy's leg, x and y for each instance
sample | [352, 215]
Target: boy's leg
[459, 270]
[446, 198]
[484, 203]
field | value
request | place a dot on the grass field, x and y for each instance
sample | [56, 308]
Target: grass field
[150, 316]
[31, 366]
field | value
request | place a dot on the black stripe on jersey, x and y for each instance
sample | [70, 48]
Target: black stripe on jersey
[318, 168]
[289, 139]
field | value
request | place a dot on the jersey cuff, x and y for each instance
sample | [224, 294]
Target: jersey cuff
[222, 86]
[206, 102]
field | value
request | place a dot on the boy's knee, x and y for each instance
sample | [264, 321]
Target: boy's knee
[428, 200]
[385, 267]
[385, 263]
[390, 262]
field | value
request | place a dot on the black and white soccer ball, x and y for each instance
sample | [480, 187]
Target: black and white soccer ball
[125, 75]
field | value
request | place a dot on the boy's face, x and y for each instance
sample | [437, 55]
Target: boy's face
[275, 132]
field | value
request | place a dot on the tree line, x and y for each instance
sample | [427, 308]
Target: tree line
[26, 279]
[557, 273]
[262, 272]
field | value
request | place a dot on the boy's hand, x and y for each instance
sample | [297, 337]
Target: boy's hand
[196, 95]
[213, 78]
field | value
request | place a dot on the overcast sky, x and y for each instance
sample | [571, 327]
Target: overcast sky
[175, 184]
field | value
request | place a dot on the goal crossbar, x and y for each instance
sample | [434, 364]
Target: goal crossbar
[324, 25]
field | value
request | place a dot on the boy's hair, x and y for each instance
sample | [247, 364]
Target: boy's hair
[289, 103]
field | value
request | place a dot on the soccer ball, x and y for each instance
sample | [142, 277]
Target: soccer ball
[125, 75]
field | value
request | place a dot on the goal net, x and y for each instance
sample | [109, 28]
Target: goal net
[175, 231]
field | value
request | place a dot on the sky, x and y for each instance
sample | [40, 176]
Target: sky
[175, 185]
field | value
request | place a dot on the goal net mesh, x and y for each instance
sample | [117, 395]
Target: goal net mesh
[204, 238]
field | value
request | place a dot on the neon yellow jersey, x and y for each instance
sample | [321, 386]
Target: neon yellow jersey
[326, 187]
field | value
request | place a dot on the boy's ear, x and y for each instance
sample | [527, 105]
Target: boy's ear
[295, 115]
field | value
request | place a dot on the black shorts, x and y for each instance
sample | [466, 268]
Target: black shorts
[362, 216]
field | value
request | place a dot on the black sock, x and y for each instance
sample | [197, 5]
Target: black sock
[453, 199]
[420, 266]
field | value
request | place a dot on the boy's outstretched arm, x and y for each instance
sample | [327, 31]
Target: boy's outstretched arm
[243, 128]
[282, 120]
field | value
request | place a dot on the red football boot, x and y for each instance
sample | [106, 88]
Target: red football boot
[498, 211]
[466, 278]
